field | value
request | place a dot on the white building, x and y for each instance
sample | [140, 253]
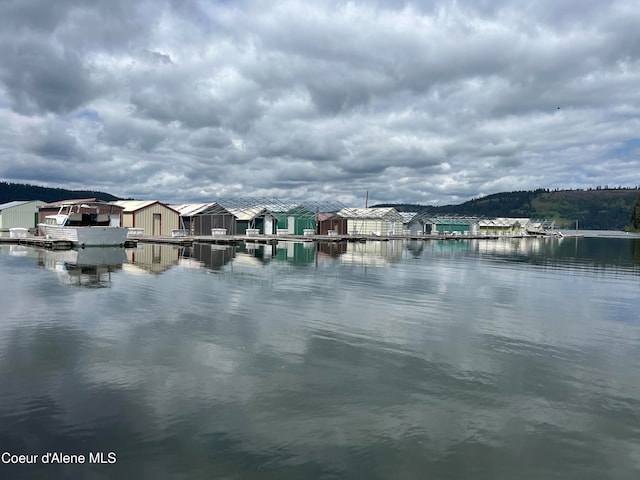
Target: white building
[372, 221]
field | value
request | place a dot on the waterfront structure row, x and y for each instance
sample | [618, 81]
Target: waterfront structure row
[153, 218]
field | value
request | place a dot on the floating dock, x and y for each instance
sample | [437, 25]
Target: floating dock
[274, 239]
[50, 244]
[42, 242]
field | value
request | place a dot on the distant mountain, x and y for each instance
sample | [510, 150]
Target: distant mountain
[597, 209]
[19, 191]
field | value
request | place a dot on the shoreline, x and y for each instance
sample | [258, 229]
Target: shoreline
[231, 240]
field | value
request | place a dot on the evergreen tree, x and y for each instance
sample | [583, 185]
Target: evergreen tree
[635, 217]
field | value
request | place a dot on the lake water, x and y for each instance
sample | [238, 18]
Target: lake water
[490, 359]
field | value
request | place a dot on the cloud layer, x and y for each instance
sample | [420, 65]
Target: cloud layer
[429, 102]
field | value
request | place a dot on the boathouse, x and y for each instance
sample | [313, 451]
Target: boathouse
[372, 221]
[413, 223]
[331, 222]
[256, 219]
[451, 225]
[503, 226]
[156, 218]
[296, 220]
[19, 214]
[201, 218]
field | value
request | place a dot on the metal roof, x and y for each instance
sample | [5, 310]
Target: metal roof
[15, 203]
[504, 222]
[74, 201]
[135, 205]
[407, 216]
[195, 209]
[375, 213]
[248, 213]
[327, 216]
[246, 208]
[190, 209]
[450, 220]
[276, 205]
[132, 205]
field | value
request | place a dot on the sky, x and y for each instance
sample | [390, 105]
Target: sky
[421, 102]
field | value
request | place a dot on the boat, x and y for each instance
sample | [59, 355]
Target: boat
[84, 226]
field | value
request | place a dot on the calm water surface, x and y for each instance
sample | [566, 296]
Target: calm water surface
[509, 359]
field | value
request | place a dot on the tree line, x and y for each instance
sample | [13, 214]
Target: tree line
[19, 191]
[595, 208]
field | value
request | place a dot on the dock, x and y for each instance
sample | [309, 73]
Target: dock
[49, 244]
[232, 240]
[274, 239]
[40, 242]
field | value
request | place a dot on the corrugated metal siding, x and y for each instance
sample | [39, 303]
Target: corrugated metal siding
[415, 228]
[241, 227]
[304, 223]
[449, 227]
[366, 226]
[333, 223]
[127, 221]
[20, 216]
[296, 223]
[169, 219]
[202, 225]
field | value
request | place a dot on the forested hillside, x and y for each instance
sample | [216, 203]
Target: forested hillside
[599, 209]
[19, 191]
[634, 224]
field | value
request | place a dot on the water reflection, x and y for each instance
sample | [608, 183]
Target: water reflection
[373, 253]
[254, 254]
[570, 252]
[89, 268]
[152, 258]
[331, 249]
[635, 250]
[573, 252]
[414, 247]
[21, 251]
[296, 253]
[460, 360]
[211, 256]
[583, 252]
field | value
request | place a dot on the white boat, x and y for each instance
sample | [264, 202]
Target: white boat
[84, 226]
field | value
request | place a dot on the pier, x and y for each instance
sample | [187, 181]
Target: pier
[274, 239]
[49, 244]
[43, 242]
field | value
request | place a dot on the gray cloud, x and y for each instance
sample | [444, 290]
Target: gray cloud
[40, 78]
[431, 102]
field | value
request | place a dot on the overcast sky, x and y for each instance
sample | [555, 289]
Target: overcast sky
[427, 102]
